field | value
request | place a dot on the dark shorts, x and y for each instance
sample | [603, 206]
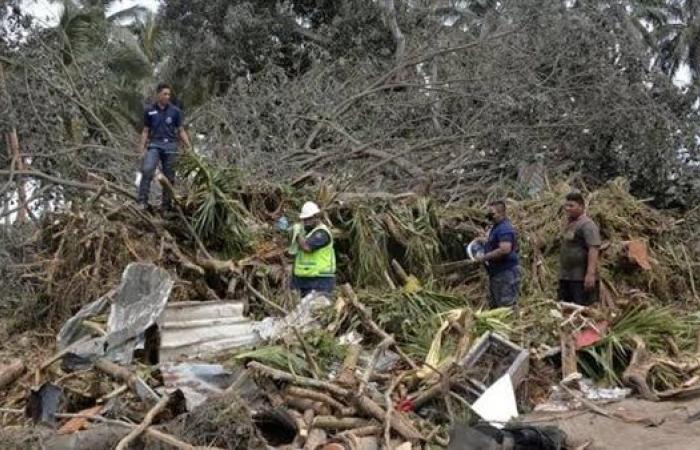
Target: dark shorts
[573, 292]
[504, 287]
[307, 284]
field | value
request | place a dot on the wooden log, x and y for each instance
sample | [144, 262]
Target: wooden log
[303, 404]
[315, 438]
[398, 422]
[315, 395]
[346, 376]
[136, 384]
[301, 381]
[371, 430]
[10, 372]
[340, 423]
[569, 363]
[150, 432]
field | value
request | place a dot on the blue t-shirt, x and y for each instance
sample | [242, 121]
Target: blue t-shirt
[503, 231]
[163, 125]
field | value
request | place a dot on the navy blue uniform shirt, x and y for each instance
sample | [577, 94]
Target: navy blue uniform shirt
[503, 231]
[163, 125]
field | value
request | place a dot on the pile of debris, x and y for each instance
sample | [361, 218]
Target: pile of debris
[182, 332]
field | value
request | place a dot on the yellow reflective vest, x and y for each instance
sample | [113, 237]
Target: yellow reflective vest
[318, 263]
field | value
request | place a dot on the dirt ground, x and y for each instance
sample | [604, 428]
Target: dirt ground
[604, 433]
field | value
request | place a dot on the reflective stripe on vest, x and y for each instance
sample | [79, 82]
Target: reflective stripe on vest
[320, 262]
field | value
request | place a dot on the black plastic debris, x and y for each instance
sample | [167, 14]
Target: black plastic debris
[43, 404]
[484, 436]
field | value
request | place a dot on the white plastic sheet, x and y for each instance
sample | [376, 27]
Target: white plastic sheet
[497, 405]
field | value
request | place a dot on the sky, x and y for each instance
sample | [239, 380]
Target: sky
[47, 12]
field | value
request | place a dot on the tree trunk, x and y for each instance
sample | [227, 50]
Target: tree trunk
[15, 155]
[393, 24]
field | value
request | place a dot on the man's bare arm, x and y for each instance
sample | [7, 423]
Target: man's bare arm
[185, 138]
[591, 268]
[144, 139]
[504, 249]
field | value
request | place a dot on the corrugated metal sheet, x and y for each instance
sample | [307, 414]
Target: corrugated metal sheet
[192, 329]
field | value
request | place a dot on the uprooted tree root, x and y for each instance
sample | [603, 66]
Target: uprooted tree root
[643, 363]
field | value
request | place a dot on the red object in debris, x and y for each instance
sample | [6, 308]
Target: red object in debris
[589, 336]
[405, 405]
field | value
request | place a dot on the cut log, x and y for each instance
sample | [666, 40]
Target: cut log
[10, 372]
[314, 395]
[569, 363]
[340, 423]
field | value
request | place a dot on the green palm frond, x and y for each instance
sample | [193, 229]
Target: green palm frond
[82, 29]
[610, 356]
[370, 257]
[218, 216]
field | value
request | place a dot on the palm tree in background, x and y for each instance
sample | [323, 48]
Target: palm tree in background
[673, 31]
[130, 42]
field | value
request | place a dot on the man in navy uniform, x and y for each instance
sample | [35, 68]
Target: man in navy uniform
[501, 258]
[162, 126]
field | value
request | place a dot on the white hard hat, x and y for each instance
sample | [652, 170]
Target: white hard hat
[309, 210]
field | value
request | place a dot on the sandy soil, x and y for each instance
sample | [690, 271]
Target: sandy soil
[605, 433]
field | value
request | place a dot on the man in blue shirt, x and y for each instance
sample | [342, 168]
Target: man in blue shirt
[162, 126]
[501, 258]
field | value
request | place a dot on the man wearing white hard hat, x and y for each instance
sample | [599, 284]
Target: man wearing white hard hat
[314, 256]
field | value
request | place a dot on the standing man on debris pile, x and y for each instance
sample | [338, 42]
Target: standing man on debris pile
[162, 126]
[578, 260]
[314, 255]
[501, 258]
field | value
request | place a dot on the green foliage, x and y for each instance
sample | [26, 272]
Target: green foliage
[218, 216]
[278, 356]
[369, 254]
[652, 324]
[415, 317]
[323, 347]
[419, 234]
